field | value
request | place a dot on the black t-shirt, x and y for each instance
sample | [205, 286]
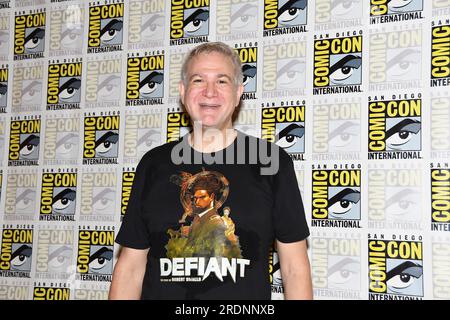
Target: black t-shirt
[210, 227]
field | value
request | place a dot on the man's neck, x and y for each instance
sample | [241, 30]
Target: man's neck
[209, 140]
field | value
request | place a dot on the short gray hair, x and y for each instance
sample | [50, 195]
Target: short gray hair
[219, 47]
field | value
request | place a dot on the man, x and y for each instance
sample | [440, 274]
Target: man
[266, 207]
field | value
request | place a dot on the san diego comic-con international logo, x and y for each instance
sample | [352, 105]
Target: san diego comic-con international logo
[20, 200]
[16, 251]
[189, 21]
[101, 138]
[395, 267]
[29, 35]
[338, 63]
[146, 24]
[24, 141]
[105, 33]
[336, 196]
[284, 17]
[178, 124]
[54, 252]
[338, 14]
[284, 125]
[382, 11]
[66, 30]
[145, 79]
[440, 197]
[58, 195]
[440, 53]
[236, 20]
[3, 88]
[248, 53]
[64, 84]
[95, 253]
[4, 35]
[51, 291]
[27, 86]
[127, 184]
[395, 127]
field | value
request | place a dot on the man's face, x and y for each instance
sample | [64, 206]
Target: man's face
[210, 95]
[202, 200]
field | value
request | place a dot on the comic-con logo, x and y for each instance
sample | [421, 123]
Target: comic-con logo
[105, 32]
[440, 125]
[17, 247]
[3, 89]
[145, 80]
[101, 139]
[336, 197]
[29, 36]
[284, 66]
[146, 24]
[178, 124]
[440, 250]
[236, 20]
[61, 140]
[127, 184]
[27, 87]
[395, 127]
[338, 63]
[382, 11]
[285, 126]
[54, 253]
[276, 283]
[103, 82]
[337, 129]
[249, 60]
[395, 268]
[336, 266]
[336, 14]
[20, 200]
[4, 36]
[142, 133]
[58, 196]
[440, 198]
[24, 142]
[95, 254]
[284, 17]
[64, 83]
[66, 30]
[55, 292]
[189, 21]
[440, 54]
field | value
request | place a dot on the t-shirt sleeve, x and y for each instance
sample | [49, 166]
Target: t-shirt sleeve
[288, 213]
[133, 232]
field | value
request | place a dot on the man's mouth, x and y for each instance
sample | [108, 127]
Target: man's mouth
[209, 105]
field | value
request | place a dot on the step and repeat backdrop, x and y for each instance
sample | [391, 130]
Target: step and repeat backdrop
[356, 91]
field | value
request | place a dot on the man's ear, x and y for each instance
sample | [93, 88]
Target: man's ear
[240, 91]
[181, 90]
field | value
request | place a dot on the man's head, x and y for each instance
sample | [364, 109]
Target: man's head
[211, 84]
[205, 191]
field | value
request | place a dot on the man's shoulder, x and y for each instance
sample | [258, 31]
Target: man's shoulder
[159, 154]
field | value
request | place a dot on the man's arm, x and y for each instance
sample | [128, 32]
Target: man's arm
[128, 275]
[295, 270]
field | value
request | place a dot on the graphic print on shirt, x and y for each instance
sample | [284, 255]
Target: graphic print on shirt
[205, 245]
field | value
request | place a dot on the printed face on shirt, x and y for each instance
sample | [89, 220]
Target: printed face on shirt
[210, 94]
[202, 200]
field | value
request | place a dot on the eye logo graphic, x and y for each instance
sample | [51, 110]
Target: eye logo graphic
[29, 36]
[105, 28]
[395, 126]
[249, 60]
[145, 80]
[336, 196]
[382, 11]
[284, 16]
[95, 255]
[24, 142]
[3, 89]
[395, 270]
[285, 126]
[58, 197]
[189, 21]
[337, 64]
[440, 54]
[64, 83]
[101, 139]
[235, 19]
[17, 247]
[178, 124]
[440, 198]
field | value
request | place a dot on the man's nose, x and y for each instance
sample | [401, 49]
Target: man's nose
[210, 89]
